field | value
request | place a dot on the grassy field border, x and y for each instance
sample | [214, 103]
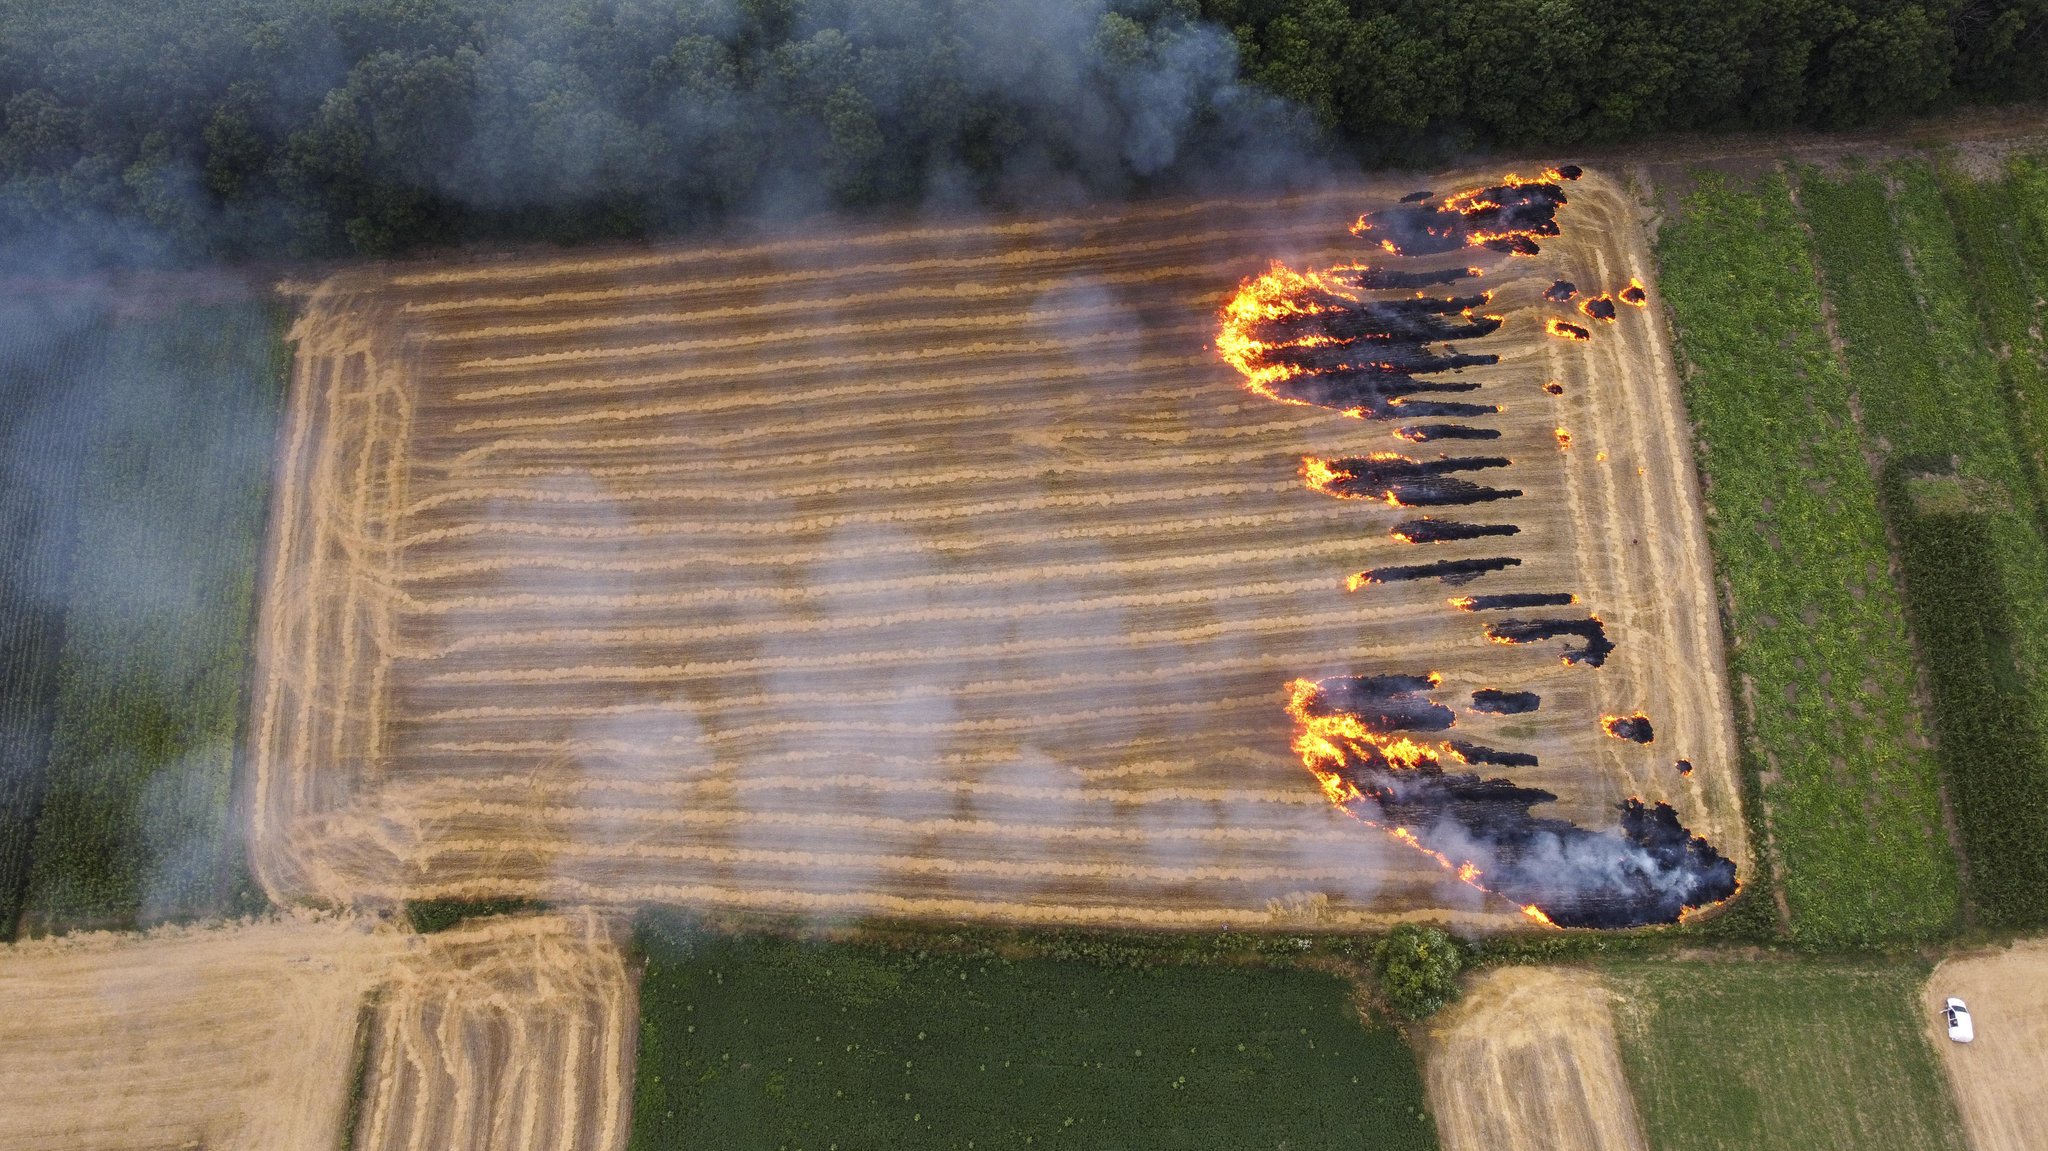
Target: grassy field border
[1852, 818]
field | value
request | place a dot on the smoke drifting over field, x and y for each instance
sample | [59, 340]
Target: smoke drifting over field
[366, 129]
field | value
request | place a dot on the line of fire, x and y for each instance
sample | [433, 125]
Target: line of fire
[1374, 743]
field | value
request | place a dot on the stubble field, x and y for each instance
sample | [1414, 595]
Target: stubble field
[941, 571]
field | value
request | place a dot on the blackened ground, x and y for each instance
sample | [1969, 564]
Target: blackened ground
[1479, 753]
[1634, 728]
[1554, 388]
[1417, 197]
[1361, 355]
[1562, 328]
[1685, 767]
[1505, 218]
[1434, 531]
[1560, 291]
[1416, 483]
[1449, 571]
[1634, 294]
[1378, 395]
[1368, 279]
[1590, 630]
[1516, 599]
[1423, 433]
[1384, 702]
[1599, 307]
[1493, 701]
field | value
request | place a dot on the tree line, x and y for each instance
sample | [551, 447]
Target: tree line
[170, 131]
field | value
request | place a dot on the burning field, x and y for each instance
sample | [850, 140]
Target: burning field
[1235, 562]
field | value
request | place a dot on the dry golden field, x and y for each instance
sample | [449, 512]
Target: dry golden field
[1528, 1059]
[932, 571]
[502, 1035]
[220, 1038]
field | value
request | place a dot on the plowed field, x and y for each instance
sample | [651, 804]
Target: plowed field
[935, 571]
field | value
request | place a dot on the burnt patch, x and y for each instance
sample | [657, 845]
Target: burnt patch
[1383, 702]
[1434, 531]
[1599, 307]
[1594, 645]
[1449, 571]
[1423, 433]
[1404, 482]
[1634, 728]
[1684, 767]
[1569, 331]
[1647, 869]
[1635, 294]
[1480, 753]
[1507, 217]
[1554, 388]
[1514, 599]
[1493, 701]
[1560, 291]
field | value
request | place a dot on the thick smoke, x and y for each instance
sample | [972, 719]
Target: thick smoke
[1648, 869]
[290, 128]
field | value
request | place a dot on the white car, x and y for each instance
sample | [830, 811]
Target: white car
[1958, 1017]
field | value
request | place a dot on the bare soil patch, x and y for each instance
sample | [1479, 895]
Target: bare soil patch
[1997, 1078]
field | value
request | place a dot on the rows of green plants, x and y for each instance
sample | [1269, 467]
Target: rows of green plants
[1939, 420]
[167, 506]
[766, 1042]
[1786, 1055]
[1817, 644]
[40, 432]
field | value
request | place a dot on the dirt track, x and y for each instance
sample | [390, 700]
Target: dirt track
[224, 1038]
[1997, 1078]
[1528, 1059]
[932, 572]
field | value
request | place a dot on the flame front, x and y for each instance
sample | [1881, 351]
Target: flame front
[1558, 327]
[1279, 293]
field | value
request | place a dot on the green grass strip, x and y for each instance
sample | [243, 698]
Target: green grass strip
[765, 1044]
[1784, 1055]
[135, 825]
[1818, 645]
[1962, 499]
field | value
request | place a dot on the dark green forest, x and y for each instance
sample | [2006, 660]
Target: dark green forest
[154, 132]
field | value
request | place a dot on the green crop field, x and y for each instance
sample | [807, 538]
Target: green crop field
[1783, 1053]
[1819, 651]
[1941, 419]
[761, 1043]
[138, 449]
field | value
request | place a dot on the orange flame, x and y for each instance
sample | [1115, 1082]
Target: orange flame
[1635, 294]
[1564, 440]
[1278, 293]
[1325, 742]
[1558, 327]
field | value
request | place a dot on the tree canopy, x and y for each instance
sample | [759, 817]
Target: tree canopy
[159, 131]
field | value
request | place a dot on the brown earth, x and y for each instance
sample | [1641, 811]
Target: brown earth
[1528, 1059]
[938, 572]
[1998, 1077]
[239, 1037]
[503, 1035]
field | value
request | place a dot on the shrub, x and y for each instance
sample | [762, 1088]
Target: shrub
[1418, 970]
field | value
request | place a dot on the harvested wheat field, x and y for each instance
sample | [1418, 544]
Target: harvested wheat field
[502, 1035]
[239, 1037]
[941, 571]
[1997, 1077]
[1528, 1059]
